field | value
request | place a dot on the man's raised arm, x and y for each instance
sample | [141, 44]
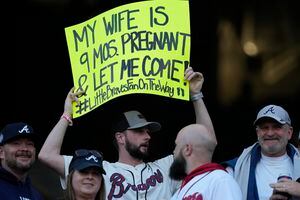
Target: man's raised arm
[196, 80]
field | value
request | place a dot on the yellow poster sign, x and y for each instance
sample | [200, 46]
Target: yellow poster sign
[141, 47]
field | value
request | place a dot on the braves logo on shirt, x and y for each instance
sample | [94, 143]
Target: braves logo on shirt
[195, 196]
[118, 189]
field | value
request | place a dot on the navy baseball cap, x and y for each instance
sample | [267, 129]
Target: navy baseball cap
[16, 130]
[84, 159]
[133, 120]
[274, 112]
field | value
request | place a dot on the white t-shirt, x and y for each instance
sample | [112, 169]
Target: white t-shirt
[214, 185]
[267, 171]
[146, 181]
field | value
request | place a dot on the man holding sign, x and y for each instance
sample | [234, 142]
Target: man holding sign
[129, 178]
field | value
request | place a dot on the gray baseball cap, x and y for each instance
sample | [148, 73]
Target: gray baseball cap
[275, 112]
[133, 120]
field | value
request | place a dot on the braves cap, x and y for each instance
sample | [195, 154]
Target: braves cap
[16, 130]
[84, 159]
[133, 120]
[275, 112]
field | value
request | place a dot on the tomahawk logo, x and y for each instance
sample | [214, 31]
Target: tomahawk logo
[92, 157]
[271, 109]
[24, 129]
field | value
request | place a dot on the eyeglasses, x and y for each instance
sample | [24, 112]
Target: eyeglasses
[85, 152]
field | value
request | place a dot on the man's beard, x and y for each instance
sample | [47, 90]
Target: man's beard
[16, 166]
[135, 152]
[178, 168]
[273, 149]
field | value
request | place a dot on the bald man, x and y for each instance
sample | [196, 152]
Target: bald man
[201, 179]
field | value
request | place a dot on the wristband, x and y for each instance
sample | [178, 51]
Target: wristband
[197, 96]
[67, 117]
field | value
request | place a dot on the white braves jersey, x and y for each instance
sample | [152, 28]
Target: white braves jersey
[214, 185]
[146, 181]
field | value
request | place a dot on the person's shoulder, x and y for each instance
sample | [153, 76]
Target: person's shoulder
[219, 173]
[229, 163]
[165, 160]
[107, 164]
[162, 163]
[222, 176]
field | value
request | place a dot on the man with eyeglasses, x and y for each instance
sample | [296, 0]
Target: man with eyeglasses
[130, 178]
[261, 164]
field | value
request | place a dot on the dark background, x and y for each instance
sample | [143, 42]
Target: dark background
[237, 83]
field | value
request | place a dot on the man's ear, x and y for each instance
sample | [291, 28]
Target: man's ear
[187, 149]
[291, 130]
[120, 137]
